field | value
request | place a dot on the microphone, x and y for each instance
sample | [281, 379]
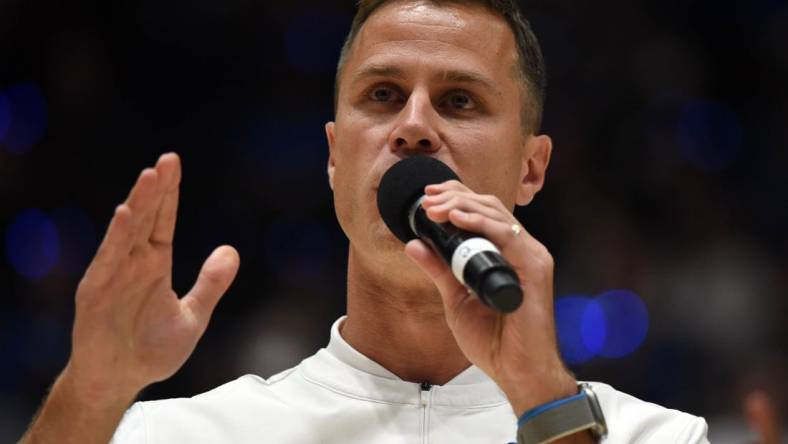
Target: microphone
[475, 261]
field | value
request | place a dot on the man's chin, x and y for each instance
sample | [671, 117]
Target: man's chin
[387, 250]
[384, 239]
[407, 273]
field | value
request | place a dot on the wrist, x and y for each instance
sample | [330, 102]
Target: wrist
[93, 394]
[74, 414]
[533, 392]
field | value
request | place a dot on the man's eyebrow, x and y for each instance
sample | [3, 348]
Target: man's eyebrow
[374, 70]
[461, 76]
[451, 75]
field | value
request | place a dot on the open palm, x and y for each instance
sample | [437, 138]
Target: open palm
[130, 328]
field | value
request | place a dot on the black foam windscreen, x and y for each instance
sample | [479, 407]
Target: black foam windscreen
[402, 185]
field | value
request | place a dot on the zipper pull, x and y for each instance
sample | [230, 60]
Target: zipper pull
[424, 395]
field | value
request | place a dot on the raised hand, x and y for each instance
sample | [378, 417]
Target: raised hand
[130, 327]
[518, 350]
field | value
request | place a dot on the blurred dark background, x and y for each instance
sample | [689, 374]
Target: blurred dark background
[665, 204]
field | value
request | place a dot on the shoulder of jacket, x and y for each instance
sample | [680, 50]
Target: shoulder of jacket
[630, 419]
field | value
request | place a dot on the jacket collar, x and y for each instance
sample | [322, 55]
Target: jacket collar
[341, 368]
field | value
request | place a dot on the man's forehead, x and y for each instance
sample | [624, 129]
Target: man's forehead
[469, 39]
[467, 26]
[426, 12]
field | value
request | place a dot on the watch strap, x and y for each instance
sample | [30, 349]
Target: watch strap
[562, 418]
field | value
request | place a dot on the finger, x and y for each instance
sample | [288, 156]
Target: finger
[213, 281]
[121, 232]
[763, 418]
[511, 244]
[452, 291]
[143, 188]
[447, 195]
[498, 231]
[169, 167]
[141, 201]
[442, 192]
[114, 247]
[469, 204]
[164, 175]
[438, 188]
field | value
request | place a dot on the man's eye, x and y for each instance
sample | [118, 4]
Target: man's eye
[382, 94]
[461, 101]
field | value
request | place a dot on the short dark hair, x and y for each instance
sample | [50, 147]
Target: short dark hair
[530, 60]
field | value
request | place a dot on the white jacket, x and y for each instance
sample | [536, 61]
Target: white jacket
[339, 396]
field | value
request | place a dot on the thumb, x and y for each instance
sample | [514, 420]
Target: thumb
[215, 277]
[451, 290]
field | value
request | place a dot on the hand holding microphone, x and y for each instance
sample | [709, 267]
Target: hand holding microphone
[514, 343]
[475, 261]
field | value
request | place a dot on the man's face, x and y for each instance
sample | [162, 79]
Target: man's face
[425, 79]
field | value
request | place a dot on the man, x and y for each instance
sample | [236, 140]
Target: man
[418, 358]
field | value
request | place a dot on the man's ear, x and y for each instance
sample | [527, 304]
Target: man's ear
[536, 157]
[330, 137]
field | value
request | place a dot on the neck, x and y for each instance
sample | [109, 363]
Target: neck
[399, 323]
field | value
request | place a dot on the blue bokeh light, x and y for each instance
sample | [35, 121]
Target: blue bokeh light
[593, 327]
[627, 322]
[32, 244]
[5, 115]
[26, 118]
[611, 325]
[570, 312]
[710, 134]
[313, 40]
[78, 239]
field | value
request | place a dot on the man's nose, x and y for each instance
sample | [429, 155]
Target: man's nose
[415, 128]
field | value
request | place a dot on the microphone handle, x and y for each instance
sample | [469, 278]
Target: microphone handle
[475, 261]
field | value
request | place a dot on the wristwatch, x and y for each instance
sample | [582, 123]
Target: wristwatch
[563, 417]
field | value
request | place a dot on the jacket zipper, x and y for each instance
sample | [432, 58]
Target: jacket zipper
[424, 399]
